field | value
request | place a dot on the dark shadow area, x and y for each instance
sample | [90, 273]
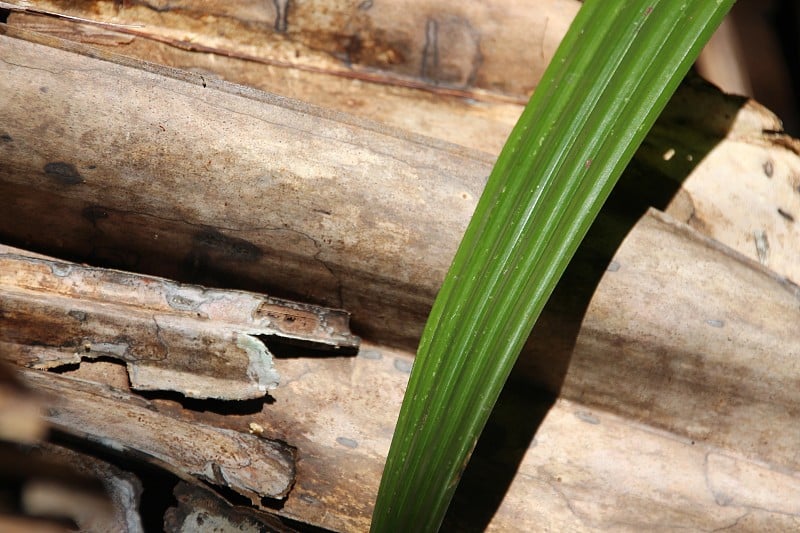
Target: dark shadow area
[770, 68]
[72, 367]
[287, 348]
[695, 121]
[157, 484]
[787, 23]
[210, 405]
[507, 436]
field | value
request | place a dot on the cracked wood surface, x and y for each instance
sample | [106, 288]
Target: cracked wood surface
[271, 193]
[702, 436]
[368, 222]
[447, 47]
[668, 452]
[200, 509]
[203, 343]
[251, 466]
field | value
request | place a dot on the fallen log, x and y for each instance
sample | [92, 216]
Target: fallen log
[220, 185]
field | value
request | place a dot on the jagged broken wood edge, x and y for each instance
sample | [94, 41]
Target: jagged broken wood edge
[203, 343]
[252, 466]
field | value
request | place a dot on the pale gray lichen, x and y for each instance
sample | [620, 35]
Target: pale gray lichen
[261, 367]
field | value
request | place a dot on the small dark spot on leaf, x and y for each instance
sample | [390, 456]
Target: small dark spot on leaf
[64, 173]
[785, 214]
[588, 163]
[5, 138]
[43, 89]
[648, 10]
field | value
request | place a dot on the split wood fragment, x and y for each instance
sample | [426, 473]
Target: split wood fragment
[203, 343]
[254, 467]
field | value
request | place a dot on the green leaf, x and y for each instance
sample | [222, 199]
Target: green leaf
[612, 75]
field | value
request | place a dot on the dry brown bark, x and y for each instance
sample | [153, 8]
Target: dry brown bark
[252, 466]
[58, 313]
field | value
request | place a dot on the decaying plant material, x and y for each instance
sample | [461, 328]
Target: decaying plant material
[672, 341]
[59, 484]
[203, 343]
[252, 466]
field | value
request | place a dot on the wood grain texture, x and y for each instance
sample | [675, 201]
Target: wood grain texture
[251, 466]
[677, 411]
[471, 48]
[203, 343]
[675, 355]
[227, 195]
[266, 185]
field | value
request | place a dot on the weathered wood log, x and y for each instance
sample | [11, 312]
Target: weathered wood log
[698, 474]
[251, 466]
[447, 46]
[716, 397]
[696, 415]
[456, 98]
[203, 343]
[368, 222]
[303, 210]
[705, 340]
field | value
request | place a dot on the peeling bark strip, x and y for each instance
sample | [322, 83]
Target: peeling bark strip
[199, 342]
[252, 466]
